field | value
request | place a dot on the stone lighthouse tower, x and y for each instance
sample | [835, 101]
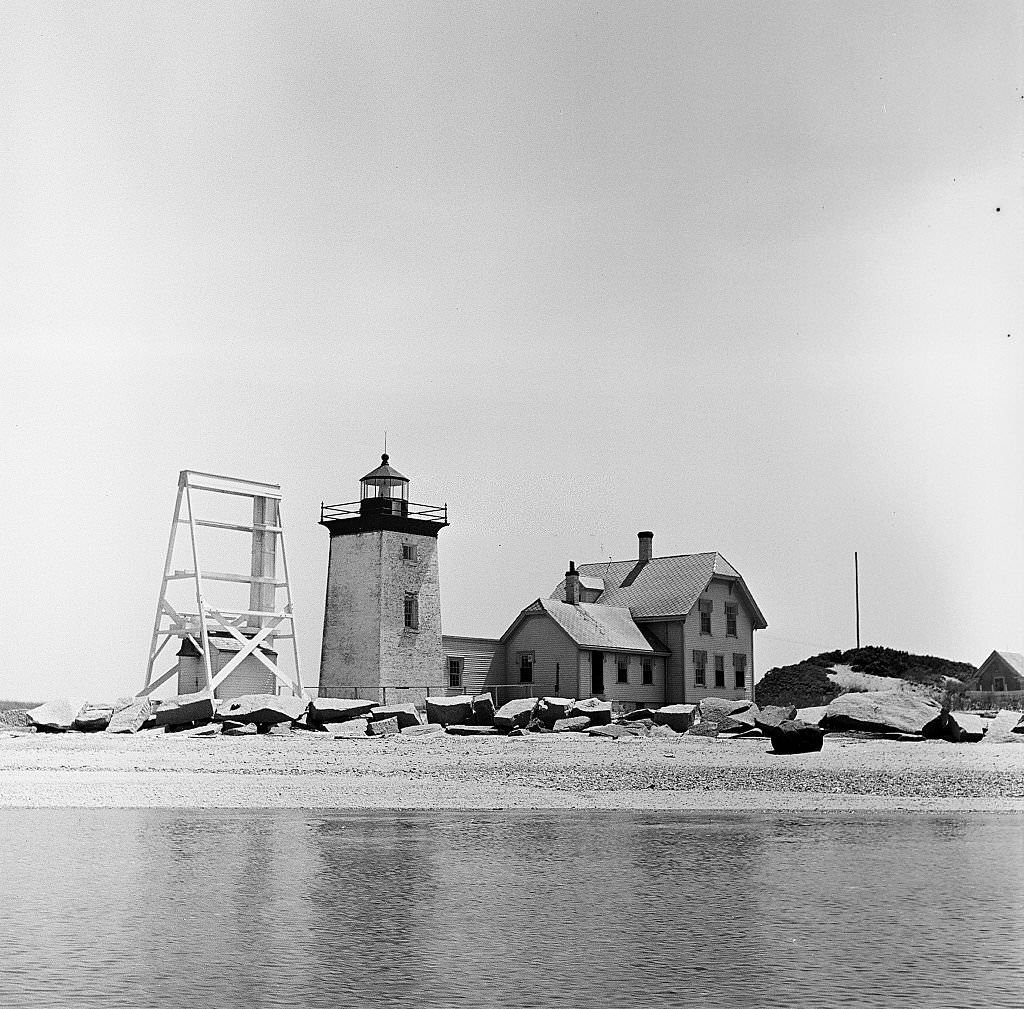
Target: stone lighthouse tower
[382, 621]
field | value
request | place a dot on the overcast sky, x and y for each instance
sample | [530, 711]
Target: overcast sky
[747, 275]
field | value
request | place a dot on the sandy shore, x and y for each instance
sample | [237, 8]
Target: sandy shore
[540, 772]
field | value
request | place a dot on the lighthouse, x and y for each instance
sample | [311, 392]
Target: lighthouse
[382, 619]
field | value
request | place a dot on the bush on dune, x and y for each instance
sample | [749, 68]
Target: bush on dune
[803, 685]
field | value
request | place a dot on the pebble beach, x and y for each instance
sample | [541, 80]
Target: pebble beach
[562, 771]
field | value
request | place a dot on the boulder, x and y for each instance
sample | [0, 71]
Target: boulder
[748, 718]
[184, 710]
[972, 726]
[609, 731]
[472, 730]
[55, 716]
[577, 724]
[384, 727]
[678, 717]
[456, 710]
[354, 728]
[483, 709]
[663, 730]
[551, 709]
[262, 709]
[812, 715]
[419, 731]
[131, 716]
[703, 729]
[280, 729]
[1002, 728]
[770, 717]
[880, 711]
[636, 713]
[230, 728]
[714, 709]
[515, 714]
[536, 725]
[640, 729]
[323, 710]
[599, 712]
[405, 713]
[94, 717]
[790, 736]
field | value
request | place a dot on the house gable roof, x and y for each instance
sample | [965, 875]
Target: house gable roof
[593, 625]
[1013, 659]
[662, 586]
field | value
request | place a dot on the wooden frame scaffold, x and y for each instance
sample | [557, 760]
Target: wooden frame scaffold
[264, 620]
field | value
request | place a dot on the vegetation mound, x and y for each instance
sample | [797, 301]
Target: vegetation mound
[803, 685]
[806, 683]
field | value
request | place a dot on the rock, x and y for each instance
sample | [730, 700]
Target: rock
[703, 729]
[354, 728]
[323, 710]
[262, 709]
[678, 717]
[637, 713]
[881, 711]
[609, 731]
[238, 728]
[577, 724]
[746, 718]
[472, 730]
[384, 727]
[518, 733]
[456, 710]
[972, 726]
[405, 713]
[201, 731]
[599, 712]
[551, 709]
[714, 709]
[515, 714]
[280, 729]
[536, 725]
[771, 717]
[483, 709]
[55, 716]
[184, 710]
[1002, 728]
[796, 737]
[663, 730]
[641, 730]
[94, 717]
[419, 731]
[131, 716]
[813, 715]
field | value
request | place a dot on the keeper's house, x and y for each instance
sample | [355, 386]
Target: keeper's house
[644, 632]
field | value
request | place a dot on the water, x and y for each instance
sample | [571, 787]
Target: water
[281, 908]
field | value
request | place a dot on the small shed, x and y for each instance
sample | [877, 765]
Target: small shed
[251, 676]
[1001, 671]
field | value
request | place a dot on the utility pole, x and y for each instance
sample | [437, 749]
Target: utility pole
[856, 593]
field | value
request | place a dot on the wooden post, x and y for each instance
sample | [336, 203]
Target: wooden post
[856, 593]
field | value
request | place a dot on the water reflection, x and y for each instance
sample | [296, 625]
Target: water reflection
[136, 908]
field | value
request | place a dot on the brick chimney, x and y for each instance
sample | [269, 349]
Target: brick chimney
[646, 546]
[572, 584]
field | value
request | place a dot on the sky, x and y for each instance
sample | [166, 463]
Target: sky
[745, 275]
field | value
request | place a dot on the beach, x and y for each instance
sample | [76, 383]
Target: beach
[561, 771]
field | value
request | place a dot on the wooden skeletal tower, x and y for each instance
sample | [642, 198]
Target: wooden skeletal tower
[229, 621]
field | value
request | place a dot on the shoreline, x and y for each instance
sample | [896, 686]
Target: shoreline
[306, 771]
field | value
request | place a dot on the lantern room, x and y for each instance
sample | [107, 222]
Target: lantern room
[384, 491]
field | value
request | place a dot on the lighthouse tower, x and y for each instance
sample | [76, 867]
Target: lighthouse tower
[382, 620]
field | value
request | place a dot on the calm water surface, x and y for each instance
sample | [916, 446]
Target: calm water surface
[281, 908]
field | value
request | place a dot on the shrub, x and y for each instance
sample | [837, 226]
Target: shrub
[803, 685]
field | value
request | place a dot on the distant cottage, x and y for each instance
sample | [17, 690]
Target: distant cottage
[1001, 671]
[643, 632]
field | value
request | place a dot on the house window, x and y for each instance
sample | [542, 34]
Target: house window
[739, 666]
[455, 672]
[999, 683]
[719, 670]
[408, 551]
[700, 666]
[730, 619]
[525, 660]
[647, 671]
[622, 664]
[412, 611]
[706, 608]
